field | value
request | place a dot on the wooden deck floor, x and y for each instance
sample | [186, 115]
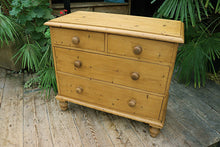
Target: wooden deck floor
[193, 119]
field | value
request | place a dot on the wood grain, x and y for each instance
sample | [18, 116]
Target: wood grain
[36, 125]
[202, 106]
[187, 117]
[164, 107]
[182, 137]
[142, 131]
[63, 128]
[35, 121]
[143, 25]
[152, 51]
[88, 40]
[118, 54]
[88, 124]
[192, 120]
[124, 132]
[11, 118]
[153, 77]
[115, 98]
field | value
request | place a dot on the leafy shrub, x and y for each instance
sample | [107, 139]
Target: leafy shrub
[36, 53]
[202, 41]
[32, 15]
[8, 30]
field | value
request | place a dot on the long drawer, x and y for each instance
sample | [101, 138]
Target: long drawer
[77, 38]
[109, 96]
[136, 74]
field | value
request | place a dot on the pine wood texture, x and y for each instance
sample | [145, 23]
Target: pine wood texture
[113, 69]
[110, 96]
[151, 49]
[113, 66]
[87, 40]
[136, 26]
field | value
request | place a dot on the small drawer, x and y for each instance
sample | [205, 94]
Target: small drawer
[143, 49]
[132, 73]
[77, 38]
[109, 96]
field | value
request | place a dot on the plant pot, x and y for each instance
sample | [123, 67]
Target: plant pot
[6, 54]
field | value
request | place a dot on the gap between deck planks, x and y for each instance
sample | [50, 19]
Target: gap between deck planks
[27, 120]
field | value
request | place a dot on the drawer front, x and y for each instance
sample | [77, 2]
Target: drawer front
[143, 49]
[77, 39]
[109, 96]
[131, 73]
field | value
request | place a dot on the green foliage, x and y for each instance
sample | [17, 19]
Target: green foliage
[7, 30]
[47, 80]
[30, 54]
[5, 6]
[202, 43]
[36, 53]
[183, 10]
[196, 58]
[32, 15]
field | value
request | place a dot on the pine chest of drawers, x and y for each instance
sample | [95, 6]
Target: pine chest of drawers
[119, 64]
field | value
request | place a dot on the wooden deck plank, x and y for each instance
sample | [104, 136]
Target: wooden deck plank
[63, 129]
[176, 131]
[11, 112]
[36, 125]
[193, 125]
[91, 131]
[123, 131]
[191, 120]
[110, 128]
[2, 82]
[142, 130]
[210, 98]
[196, 103]
[207, 96]
[213, 88]
[118, 138]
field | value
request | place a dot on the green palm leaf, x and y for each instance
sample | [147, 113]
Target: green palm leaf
[7, 30]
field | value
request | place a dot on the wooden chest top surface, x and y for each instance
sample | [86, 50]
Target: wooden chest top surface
[153, 28]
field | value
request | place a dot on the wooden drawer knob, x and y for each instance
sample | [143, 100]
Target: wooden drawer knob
[137, 50]
[77, 63]
[75, 40]
[79, 90]
[132, 103]
[135, 76]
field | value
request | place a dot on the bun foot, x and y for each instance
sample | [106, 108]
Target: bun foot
[63, 105]
[154, 131]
